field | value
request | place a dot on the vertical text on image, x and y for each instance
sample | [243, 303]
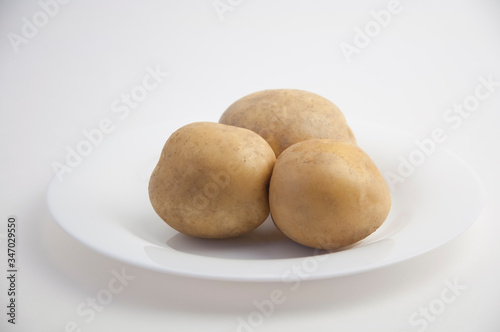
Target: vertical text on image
[12, 277]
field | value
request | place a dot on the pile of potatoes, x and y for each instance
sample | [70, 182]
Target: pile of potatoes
[285, 152]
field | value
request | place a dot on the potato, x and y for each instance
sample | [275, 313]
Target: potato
[327, 194]
[212, 180]
[286, 116]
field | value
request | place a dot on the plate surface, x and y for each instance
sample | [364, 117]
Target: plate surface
[104, 204]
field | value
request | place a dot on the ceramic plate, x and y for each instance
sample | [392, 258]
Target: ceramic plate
[104, 204]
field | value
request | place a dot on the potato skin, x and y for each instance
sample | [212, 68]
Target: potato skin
[212, 180]
[326, 194]
[284, 117]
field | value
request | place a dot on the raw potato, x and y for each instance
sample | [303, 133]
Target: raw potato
[212, 180]
[287, 116]
[326, 194]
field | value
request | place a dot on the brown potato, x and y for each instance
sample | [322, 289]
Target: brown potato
[212, 180]
[326, 194]
[287, 116]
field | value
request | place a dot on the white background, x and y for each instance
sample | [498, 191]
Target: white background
[65, 78]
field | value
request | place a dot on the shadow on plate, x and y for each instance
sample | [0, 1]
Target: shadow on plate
[265, 242]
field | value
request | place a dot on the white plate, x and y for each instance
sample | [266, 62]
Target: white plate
[104, 204]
